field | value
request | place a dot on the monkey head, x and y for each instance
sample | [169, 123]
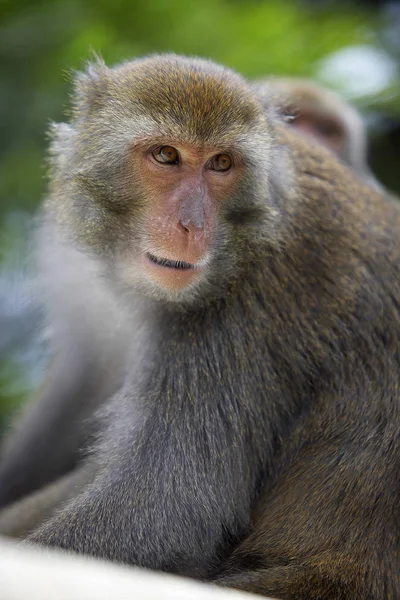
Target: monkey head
[170, 172]
[320, 114]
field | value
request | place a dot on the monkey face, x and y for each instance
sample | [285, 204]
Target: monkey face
[197, 213]
[172, 174]
[320, 114]
[184, 186]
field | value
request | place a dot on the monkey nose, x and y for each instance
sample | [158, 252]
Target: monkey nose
[190, 228]
[185, 240]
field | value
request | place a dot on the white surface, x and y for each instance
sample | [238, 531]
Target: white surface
[31, 574]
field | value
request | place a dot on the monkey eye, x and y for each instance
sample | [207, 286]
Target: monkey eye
[327, 128]
[166, 154]
[220, 162]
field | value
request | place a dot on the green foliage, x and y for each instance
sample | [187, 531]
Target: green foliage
[13, 390]
[40, 42]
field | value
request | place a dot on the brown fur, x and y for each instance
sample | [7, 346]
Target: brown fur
[255, 440]
[322, 115]
[321, 529]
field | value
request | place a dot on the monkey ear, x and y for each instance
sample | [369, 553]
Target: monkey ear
[91, 87]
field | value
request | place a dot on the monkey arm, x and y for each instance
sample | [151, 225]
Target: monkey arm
[22, 517]
[334, 577]
[327, 528]
[53, 432]
[163, 498]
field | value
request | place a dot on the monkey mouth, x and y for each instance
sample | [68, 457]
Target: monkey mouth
[170, 274]
[170, 264]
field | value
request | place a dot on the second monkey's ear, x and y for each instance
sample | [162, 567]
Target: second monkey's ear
[91, 87]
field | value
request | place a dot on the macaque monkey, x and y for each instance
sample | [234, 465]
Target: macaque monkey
[254, 438]
[51, 438]
[89, 343]
[322, 115]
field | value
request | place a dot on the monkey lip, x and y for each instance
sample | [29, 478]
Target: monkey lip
[173, 275]
[170, 264]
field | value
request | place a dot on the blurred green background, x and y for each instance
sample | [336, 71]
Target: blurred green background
[353, 47]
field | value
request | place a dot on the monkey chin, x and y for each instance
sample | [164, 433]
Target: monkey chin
[172, 275]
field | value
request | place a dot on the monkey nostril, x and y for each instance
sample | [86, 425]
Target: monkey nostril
[185, 226]
[190, 227]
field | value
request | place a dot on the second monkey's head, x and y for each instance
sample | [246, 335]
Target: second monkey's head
[168, 172]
